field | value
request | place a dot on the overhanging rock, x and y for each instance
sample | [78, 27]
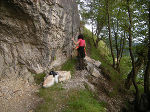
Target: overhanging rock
[35, 34]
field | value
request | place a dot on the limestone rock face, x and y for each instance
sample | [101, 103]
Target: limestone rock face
[35, 35]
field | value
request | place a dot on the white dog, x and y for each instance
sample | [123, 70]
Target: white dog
[50, 79]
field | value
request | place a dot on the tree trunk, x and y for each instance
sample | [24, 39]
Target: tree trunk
[97, 34]
[132, 58]
[99, 28]
[110, 40]
[117, 50]
[138, 65]
[147, 71]
[122, 46]
[93, 35]
[97, 41]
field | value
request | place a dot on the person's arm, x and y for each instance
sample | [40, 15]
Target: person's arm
[75, 41]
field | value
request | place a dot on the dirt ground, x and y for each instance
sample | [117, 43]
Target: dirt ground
[17, 95]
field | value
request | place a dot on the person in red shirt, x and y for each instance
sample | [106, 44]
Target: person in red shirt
[81, 50]
[84, 50]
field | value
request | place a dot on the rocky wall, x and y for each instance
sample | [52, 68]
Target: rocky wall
[35, 35]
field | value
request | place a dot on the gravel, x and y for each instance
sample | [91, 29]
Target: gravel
[17, 95]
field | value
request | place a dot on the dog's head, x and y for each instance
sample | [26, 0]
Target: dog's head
[52, 73]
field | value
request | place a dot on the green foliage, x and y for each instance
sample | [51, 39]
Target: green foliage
[96, 53]
[55, 58]
[140, 87]
[84, 101]
[103, 49]
[141, 50]
[125, 66]
[39, 78]
[101, 53]
[69, 65]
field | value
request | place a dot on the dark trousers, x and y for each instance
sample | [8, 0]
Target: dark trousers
[81, 55]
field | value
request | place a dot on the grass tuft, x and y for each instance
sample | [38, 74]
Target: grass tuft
[69, 65]
[39, 78]
[52, 97]
[84, 101]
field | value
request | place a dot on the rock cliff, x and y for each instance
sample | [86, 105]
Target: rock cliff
[35, 35]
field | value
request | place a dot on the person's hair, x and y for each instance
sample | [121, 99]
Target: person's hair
[81, 37]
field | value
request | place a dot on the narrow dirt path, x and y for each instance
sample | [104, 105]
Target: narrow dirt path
[78, 81]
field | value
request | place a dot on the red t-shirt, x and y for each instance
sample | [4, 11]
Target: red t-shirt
[82, 42]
